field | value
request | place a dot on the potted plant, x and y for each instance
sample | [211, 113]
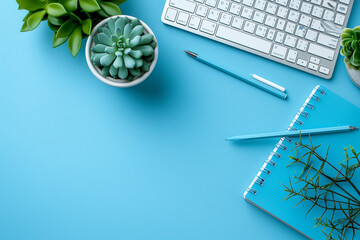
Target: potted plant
[121, 51]
[70, 20]
[351, 50]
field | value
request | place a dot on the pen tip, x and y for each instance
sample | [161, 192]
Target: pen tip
[191, 54]
[354, 128]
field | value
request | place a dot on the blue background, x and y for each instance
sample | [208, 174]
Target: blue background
[83, 160]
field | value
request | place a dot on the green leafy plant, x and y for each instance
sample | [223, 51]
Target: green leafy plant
[123, 49]
[70, 20]
[336, 194]
[351, 47]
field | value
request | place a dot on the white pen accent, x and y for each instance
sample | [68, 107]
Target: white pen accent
[263, 80]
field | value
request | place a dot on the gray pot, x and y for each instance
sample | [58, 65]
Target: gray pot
[354, 76]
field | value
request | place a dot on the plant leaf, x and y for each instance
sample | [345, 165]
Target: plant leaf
[31, 5]
[24, 27]
[58, 41]
[89, 5]
[53, 27]
[118, 2]
[70, 5]
[110, 8]
[55, 9]
[55, 21]
[75, 41]
[35, 19]
[86, 26]
[66, 29]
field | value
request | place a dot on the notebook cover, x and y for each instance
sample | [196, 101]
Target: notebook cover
[323, 108]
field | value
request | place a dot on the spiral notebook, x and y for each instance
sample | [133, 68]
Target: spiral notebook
[322, 108]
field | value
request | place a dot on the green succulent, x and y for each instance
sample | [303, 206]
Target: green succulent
[122, 49]
[70, 20]
[351, 47]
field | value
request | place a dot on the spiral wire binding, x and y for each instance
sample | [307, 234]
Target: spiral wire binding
[260, 180]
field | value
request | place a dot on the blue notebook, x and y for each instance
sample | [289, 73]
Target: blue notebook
[322, 108]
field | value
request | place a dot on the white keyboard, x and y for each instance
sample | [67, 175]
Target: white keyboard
[286, 31]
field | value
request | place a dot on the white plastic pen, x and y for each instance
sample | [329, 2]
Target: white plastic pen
[263, 80]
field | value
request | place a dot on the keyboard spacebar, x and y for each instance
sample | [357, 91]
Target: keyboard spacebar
[244, 39]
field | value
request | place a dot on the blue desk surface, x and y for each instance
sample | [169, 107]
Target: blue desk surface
[83, 160]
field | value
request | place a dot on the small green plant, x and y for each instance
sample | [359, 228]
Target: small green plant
[351, 47]
[70, 20]
[336, 194]
[122, 49]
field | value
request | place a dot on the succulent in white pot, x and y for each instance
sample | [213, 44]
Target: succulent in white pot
[351, 51]
[122, 51]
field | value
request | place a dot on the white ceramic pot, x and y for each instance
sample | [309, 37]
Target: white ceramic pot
[109, 80]
[354, 76]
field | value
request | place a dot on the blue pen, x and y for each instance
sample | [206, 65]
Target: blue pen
[255, 83]
[305, 132]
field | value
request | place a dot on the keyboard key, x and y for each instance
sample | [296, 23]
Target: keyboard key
[271, 8]
[313, 66]
[311, 35]
[183, 18]
[225, 18]
[339, 19]
[320, 51]
[329, 15]
[244, 39]
[294, 16]
[279, 51]
[302, 45]
[327, 41]
[305, 20]
[301, 62]
[345, 1]
[282, 2]
[316, 24]
[183, 5]
[279, 37]
[315, 60]
[342, 8]
[223, 5]
[317, 2]
[324, 70]
[260, 4]
[329, 4]
[290, 27]
[295, 4]
[290, 41]
[248, 2]
[271, 34]
[270, 21]
[247, 12]
[300, 31]
[202, 11]
[171, 14]
[249, 27]
[194, 22]
[261, 31]
[292, 55]
[235, 8]
[306, 8]
[214, 15]
[280, 24]
[211, 3]
[282, 12]
[237, 23]
[317, 12]
[208, 27]
[259, 17]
